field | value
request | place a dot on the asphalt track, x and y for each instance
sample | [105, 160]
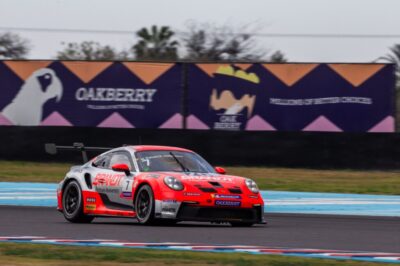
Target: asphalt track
[357, 233]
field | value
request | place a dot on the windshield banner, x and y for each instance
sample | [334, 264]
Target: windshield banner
[90, 94]
[292, 97]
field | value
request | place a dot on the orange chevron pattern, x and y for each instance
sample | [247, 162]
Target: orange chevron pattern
[290, 73]
[24, 69]
[86, 71]
[148, 72]
[356, 74]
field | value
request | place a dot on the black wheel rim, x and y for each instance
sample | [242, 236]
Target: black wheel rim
[143, 204]
[71, 200]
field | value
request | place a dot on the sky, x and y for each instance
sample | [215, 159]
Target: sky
[370, 26]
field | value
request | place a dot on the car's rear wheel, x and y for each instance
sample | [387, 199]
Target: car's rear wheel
[73, 204]
[241, 224]
[144, 205]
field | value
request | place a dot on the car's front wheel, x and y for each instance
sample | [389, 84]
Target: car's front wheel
[144, 205]
[73, 204]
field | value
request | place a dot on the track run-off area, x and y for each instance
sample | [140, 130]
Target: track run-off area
[340, 226]
[44, 194]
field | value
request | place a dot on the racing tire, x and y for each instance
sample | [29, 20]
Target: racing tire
[73, 204]
[241, 224]
[145, 205]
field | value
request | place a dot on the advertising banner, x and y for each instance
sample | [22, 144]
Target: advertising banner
[269, 97]
[90, 94]
[291, 97]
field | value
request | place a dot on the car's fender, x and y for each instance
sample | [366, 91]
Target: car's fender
[61, 186]
[143, 179]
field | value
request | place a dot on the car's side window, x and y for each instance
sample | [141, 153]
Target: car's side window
[102, 161]
[120, 158]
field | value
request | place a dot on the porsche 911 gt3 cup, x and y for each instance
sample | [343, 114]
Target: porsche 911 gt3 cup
[153, 184]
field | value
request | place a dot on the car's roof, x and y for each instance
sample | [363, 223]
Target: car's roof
[157, 148]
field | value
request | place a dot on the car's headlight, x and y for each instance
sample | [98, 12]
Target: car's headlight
[252, 186]
[173, 183]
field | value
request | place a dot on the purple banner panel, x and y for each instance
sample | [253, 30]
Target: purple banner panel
[90, 94]
[292, 97]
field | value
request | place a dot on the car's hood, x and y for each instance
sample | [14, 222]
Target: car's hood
[206, 178]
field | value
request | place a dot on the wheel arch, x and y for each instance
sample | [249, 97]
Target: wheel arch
[142, 182]
[137, 188]
[80, 216]
[69, 180]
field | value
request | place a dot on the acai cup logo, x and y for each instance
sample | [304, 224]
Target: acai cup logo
[233, 97]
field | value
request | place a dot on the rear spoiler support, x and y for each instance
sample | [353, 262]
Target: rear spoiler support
[52, 148]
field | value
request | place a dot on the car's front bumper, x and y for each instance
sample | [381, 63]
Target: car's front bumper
[192, 211]
[188, 212]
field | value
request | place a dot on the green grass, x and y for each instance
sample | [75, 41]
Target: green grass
[40, 254]
[341, 181]
[19, 171]
[271, 178]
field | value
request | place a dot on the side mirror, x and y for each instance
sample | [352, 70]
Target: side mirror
[220, 170]
[121, 168]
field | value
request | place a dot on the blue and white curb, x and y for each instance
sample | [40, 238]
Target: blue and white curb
[44, 194]
[309, 253]
[331, 203]
[28, 194]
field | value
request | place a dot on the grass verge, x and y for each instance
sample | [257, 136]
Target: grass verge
[271, 178]
[40, 254]
[340, 181]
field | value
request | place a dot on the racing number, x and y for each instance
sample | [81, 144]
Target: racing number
[127, 187]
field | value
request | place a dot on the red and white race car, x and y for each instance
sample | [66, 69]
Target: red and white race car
[156, 183]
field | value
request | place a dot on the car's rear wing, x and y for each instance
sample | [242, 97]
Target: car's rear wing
[52, 148]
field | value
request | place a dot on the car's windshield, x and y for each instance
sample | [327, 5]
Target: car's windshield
[172, 161]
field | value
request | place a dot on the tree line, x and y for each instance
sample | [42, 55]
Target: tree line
[201, 42]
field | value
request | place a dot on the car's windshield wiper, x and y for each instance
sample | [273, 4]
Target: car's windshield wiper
[185, 169]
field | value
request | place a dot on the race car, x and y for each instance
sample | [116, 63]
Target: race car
[155, 184]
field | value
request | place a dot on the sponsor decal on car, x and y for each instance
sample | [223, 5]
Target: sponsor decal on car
[126, 195]
[93, 200]
[107, 190]
[207, 178]
[200, 174]
[228, 203]
[90, 207]
[169, 201]
[192, 194]
[166, 209]
[110, 180]
[152, 176]
[223, 196]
